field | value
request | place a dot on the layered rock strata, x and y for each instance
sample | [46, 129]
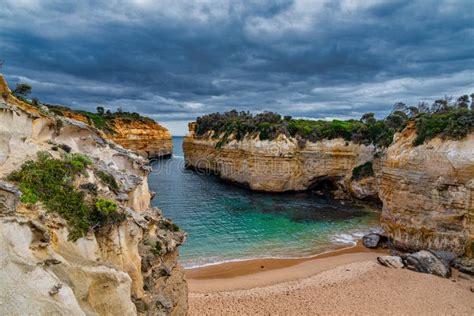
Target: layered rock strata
[428, 193]
[128, 268]
[279, 165]
[427, 190]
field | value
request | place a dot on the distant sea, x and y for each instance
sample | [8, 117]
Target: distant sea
[228, 223]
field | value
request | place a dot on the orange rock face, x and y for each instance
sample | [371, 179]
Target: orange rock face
[147, 138]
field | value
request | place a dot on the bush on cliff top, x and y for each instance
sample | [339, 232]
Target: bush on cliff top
[51, 181]
[269, 125]
[443, 118]
[102, 119]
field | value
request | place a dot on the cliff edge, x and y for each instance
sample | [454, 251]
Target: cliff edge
[77, 233]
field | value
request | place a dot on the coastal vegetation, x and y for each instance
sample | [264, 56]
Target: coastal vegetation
[444, 118]
[101, 119]
[51, 181]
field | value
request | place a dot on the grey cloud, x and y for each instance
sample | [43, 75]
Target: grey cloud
[175, 60]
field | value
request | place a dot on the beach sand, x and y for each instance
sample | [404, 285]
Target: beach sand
[348, 281]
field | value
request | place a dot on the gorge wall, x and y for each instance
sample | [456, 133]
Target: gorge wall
[279, 165]
[125, 268]
[142, 135]
[428, 193]
[147, 138]
[426, 190]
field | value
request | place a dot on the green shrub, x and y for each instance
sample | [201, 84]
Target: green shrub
[108, 179]
[363, 171]
[105, 207]
[445, 119]
[454, 123]
[51, 181]
[98, 121]
[157, 249]
[170, 226]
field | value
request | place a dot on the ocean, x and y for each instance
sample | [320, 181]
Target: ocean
[228, 223]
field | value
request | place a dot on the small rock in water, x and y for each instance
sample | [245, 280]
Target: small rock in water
[371, 240]
[391, 261]
[427, 262]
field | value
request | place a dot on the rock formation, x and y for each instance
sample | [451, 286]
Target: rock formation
[427, 190]
[428, 193]
[147, 138]
[142, 135]
[280, 165]
[126, 268]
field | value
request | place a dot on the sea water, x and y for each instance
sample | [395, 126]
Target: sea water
[228, 223]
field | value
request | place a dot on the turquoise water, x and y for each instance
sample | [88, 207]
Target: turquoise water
[227, 223]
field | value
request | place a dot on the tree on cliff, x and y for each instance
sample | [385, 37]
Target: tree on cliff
[22, 90]
[100, 110]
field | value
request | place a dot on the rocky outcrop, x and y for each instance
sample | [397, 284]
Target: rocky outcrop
[278, 165]
[427, 190]
[126, 268]
[394, 262]
[142, 135]
[147, 138]
[427, 262]
[428, 193]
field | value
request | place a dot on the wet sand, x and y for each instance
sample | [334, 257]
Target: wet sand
[348, 281]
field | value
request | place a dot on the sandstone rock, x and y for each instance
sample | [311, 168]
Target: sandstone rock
[427, 193]
[278, 165]
[427, 262]
[9, 197]
[391, 261]
[145, 137]
[101, 272]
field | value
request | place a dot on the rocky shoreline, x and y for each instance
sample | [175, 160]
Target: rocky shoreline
[426, 190]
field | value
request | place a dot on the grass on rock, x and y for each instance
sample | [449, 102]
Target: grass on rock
[51, 181]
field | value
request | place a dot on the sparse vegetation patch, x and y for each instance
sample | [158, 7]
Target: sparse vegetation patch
[51, 181]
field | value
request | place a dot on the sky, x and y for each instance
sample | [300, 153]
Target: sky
[174, 60]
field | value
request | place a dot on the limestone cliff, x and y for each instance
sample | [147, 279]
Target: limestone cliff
[147, 138]
[126, 268]
[428, 193]
[278, 165]
[427, 190]
[142, 135]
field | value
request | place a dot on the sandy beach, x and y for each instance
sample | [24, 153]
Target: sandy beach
[347, 281]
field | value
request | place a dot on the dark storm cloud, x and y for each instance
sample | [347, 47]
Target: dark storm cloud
[174, 60]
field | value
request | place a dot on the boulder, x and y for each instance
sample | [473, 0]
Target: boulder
[391, 261]
[427, 262]
[374, 240]
[446, 256]
[465, 265]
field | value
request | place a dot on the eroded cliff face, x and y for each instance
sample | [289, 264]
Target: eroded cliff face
[428, 193]
[114, 270]
[147, 138]
[278, 165]
[144, 136]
